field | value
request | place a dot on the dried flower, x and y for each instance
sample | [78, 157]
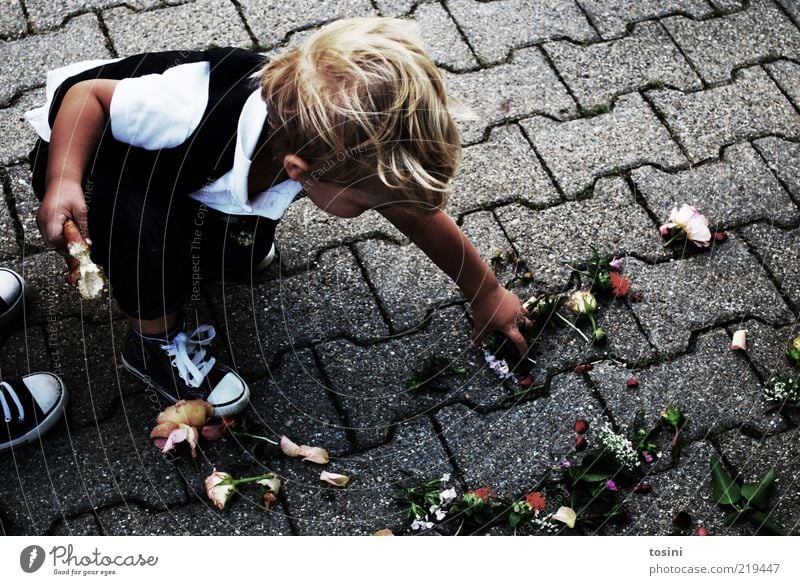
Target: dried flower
[691, 222]
[580, 443]
[219, 488]
[620, 285]
[268, 498]
[536, 501]
[739, 340]
[194, 413]
[583, 368]
[214, 432]
[483, 494]
[565, 515]
[642, 488]
[632, 383]
[581, 426]
[334, 478]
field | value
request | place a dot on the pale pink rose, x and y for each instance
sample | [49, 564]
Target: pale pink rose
[566, 515]
[334, 478]
[194, 413]
[219, 488]
[183, 433]
[582, 302]
[289, 447]
[690, 220]
[739, 339]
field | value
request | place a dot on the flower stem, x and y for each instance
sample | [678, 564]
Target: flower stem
[673, 238]
[251, 479]
[567, 321]
[251, 436]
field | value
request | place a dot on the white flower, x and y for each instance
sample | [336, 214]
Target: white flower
[447, 496]
[582, 302]
[419, 524]
[690, 220]
[739, 339]
[445, 478]
[438, 513]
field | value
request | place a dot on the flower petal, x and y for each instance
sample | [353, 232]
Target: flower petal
[336, 479]
[163, 430]
[566, 515]
[273, 483]
[314, 454]
[739, 340]
[289, 447]
[178, 435]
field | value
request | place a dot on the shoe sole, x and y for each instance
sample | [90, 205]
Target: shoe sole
[227, 409]
[48, 423]
[14, 309]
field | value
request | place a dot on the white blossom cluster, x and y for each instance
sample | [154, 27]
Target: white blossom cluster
[781, 389]
[620, 448]
[544, 523]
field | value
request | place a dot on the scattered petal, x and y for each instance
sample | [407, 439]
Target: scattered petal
[527, 381]
[581, 426]
[218, 430]
[647, 456]
[565, 515]
[637, 297]
[565, 464]
[445, 478]
[580, 443]
[269, 498]
[179, 435]
[583, 368]
[739, 340]
[289, 447]
[334, 478]
[419, 524]
[701, 531]
[642, 488]
[632, 383]
[314, 454]
[720, 236]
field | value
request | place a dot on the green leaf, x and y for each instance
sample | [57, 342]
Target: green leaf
[726, 491]
[594, 477]
[757, 495]
[514, 519]
[763, 523]
[672, 416]
[731, 518]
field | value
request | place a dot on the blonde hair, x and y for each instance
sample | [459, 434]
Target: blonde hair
[361, 97]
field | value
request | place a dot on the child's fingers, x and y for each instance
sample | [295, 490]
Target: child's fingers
[518, 340]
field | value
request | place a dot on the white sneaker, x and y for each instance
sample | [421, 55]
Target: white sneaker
[12, 289]
[29, 407]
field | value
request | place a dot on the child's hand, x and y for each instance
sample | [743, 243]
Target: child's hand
[500, 310]
[59, 205]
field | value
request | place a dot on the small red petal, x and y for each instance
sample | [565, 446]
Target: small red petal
[580, 443]
[527, 381]
[581, 426]
[619, 285]
[701, 531]
[632, 383]
[642, 488]
[583, 368]
[720, 236]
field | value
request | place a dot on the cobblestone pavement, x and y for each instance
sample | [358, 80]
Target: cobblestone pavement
[596, 117]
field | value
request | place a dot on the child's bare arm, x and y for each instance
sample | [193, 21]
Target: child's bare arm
[76, 133]
[493, 307]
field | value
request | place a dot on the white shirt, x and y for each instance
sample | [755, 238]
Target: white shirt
[162, 110]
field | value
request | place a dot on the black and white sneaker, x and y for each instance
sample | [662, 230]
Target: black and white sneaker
[12, 289]
[29, 407]
[179, 366]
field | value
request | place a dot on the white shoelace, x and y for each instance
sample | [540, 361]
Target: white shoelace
[17, 403]
[189, 355]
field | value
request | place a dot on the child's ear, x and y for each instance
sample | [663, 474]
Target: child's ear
[295, 166]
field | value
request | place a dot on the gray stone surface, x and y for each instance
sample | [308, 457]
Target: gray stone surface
[579, 151]
[486, 233]
[406, 281]
[719, 45]
[502, 169]
[25, 352]
[524, 87]
[521, 23]
[8, 236]
[397, 7]
[512, 450]
[51, 13]
[271, 22]
[25, 62]
[196, 25]
[738, 189]
[752, 458]
[715, 286]
[371, 383]
[783, 158]
[611, 17]
[598, 72]
[370, 500]
[777, 250]
[610, 221]
[26, 205]
[85, 525]
[786, 74]
[751, 107]
[792, 8]
[12, 19]
[728, 6]
[330, 300]
[685, 488]
[766, 347]
[306, 230]
[716, 391]
[18, 135]
[442, 39]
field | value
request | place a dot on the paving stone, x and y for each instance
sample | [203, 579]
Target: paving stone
[738, 189]
[26, 61]
[306, 230]
[196, 25]
[719, 45]
[18, 135]
[524, 87]
[751, 107]
[766, 347]
[371, 382]
[8, 234]
[485, 233]
[752, 458]
[610, 222]
[370, 500]
[777, 249]
[728, 6]
[397, 8]
[12, 19]
[242, 517]
[792, 8]
[786, 73]
[715, 286]
[442, 39]
[328, 301]
[512, 450]
[521, 23]
[51, 13]
[49, 294]
[502, 169]
[579, 151]
[713, 386]
[23, 352]
[294, 401]
[687, 487]
[26, 205]
[407, 282]
[783, 158]
[598, 72]
[69, 475]
[611, 17]
[271, 22]
[85, 525]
